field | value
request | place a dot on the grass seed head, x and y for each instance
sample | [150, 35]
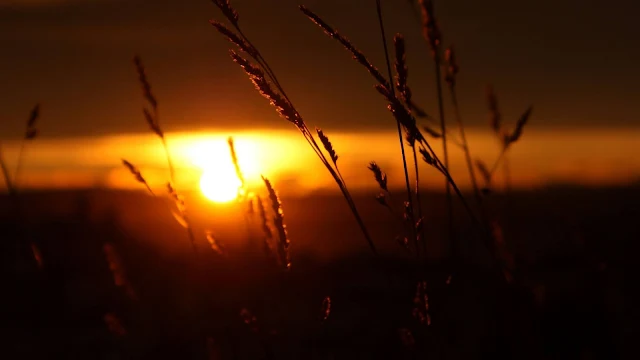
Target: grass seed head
[379, 175]
[402, 71]
[234, 38]
[216, 246]
[137, 174]
[357, 54]
[282, 105]
[495, 118]
[430, 29]
[452, 66]
[517, 132]
[484, 171]
[228, 11]
[32, 132]
[144, 82]
[278, 220]
[327, 146]
[326, 308]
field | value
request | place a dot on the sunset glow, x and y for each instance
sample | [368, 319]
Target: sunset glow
[220, 187]
[542, 157]
[219, 181]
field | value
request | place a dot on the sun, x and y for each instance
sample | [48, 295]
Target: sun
[220, 187]
[219, 182]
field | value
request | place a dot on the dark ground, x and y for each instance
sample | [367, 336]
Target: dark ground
[575, 251]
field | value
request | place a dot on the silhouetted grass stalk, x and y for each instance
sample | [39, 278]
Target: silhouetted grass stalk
[236, 165]
[30, 133]
[283, 243]
[243, 194]
[402, 74]
[432, 159]
[6, 175]
[432, 35]
[18, 171]
[498, 160]
[262, 77]
[396, 106]
[152, 119]
[384, 199]
[465, 147]
[506, 139]
[451, 78]
[413, 233]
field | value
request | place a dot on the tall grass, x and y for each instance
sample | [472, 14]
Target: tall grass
[266, 82]
[13, 184]
[401, 71]
[399, 108]
[283, 242]
[433, 36]
[152, 117]
[31, 133]
[505, 138]
[269, 209]
[451, 78]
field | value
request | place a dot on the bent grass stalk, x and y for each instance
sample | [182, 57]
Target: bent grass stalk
[6, 175]
[152, 119]
[400, 112]
[30, 133]
[383, 86]
[263, 77]
[506, 139]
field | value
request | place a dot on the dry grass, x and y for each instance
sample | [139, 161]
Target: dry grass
[326, 308]
[452, 70]
[266, 82]
[282, 241]
[433, 36]
[503, 135]
[118, 271]
[13, 184]
[269, 210]
[153, 120]
[421, 304]
[403, 116]
[137, 174]
[216, 246]
[236, 166]
[31, 133]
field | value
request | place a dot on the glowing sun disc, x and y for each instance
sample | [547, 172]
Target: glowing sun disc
[220, 187]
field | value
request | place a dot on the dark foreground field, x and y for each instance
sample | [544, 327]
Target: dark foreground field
[575, 251]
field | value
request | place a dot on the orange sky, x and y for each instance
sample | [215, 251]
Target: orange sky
[542, 156]
[74, 56]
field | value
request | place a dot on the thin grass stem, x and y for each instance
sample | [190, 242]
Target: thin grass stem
[443, 128]
[399, 127]
[6, 175]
